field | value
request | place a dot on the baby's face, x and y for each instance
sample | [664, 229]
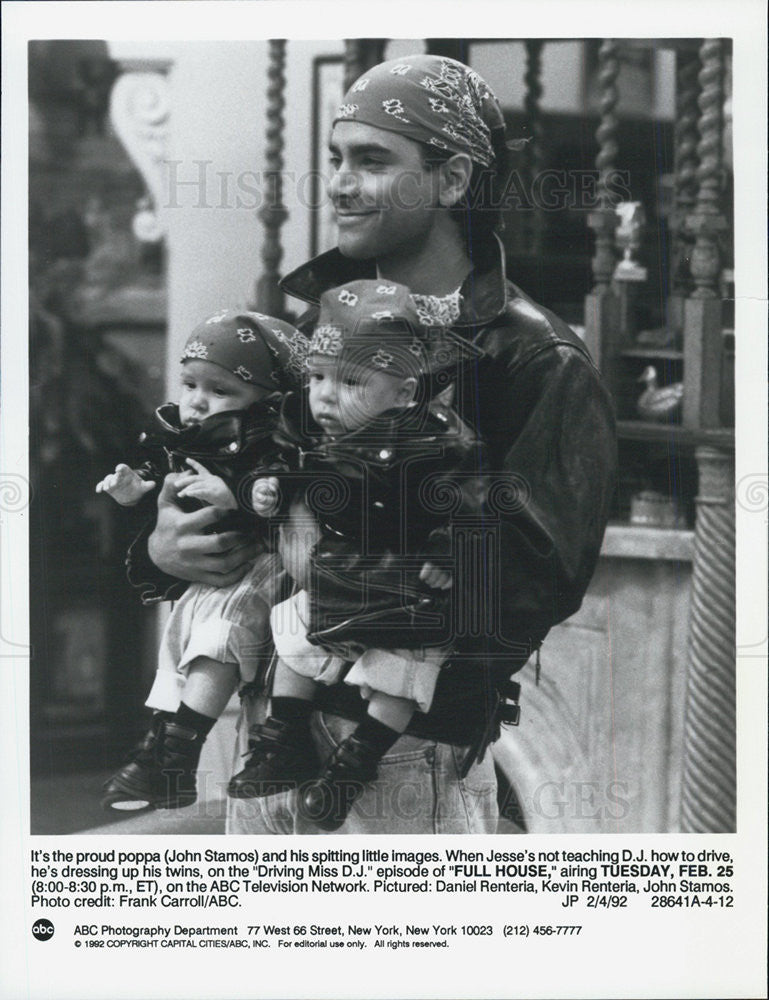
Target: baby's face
[345, 397]
[208, 388]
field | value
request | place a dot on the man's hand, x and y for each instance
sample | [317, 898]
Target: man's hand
[265, 496]
[433, 576]
[201, 484]
[180, 546]
[125, 486]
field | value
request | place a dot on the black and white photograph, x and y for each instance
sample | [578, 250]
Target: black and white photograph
[388, 460]
[612, 220]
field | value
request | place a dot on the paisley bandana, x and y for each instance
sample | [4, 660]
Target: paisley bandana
[259, 349]
[378, 325]
[431, 99]
[438, 310]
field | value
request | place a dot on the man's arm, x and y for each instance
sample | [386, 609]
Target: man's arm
[183, 547]
[549, 427]
[555, 451]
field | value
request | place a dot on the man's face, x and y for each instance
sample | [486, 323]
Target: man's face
[385, 199]
[344, 397]
[208, 388]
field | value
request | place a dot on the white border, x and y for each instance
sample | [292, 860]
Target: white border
[650, 958]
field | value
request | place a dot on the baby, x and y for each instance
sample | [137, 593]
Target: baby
[235, 367]
[370, 569]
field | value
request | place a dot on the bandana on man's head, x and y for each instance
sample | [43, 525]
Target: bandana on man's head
[259, 349]
[376, 325]
[431, 99]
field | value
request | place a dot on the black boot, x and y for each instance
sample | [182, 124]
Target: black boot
[282, 755]
[327, 800]
[161, 771]
[129, 788]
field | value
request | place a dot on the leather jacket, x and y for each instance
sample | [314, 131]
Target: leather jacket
[536, 400]
[384, 496]
[231, 445]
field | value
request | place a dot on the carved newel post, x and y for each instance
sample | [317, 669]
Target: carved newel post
[708, 792]
[708, 788]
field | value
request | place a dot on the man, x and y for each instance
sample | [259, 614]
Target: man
[418, 150]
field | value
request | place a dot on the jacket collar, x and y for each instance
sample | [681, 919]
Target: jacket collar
[484, 292]
[221, 435]
[381, 442]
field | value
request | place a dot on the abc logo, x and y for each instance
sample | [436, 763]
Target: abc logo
[42, 929]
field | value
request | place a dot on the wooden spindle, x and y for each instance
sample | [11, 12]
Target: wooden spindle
[361, 54]
[532, 151]
[603, 221]
[452, 48]
[707, 222]
[604, 334]
[269, 297]
[685, 185]
[703, 334]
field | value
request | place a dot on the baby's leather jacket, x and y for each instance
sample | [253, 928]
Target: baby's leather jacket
[231, 445]
[386, 497]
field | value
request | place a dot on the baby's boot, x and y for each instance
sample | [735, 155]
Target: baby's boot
[130, 787]
[281, 754]
[175, 780]
[160, 771]
[327, 800]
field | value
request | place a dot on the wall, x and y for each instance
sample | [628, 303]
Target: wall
[212, 178]
[599, 745]
[219, 116]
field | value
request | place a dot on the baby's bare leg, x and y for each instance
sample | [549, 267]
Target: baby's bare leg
[289, 684]
[209, 686]
[395, 713]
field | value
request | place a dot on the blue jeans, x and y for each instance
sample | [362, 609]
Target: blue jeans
[418, 789]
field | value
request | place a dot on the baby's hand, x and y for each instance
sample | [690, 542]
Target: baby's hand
[201, 484]
[265, 496]
[433, 576]
[125, 486]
